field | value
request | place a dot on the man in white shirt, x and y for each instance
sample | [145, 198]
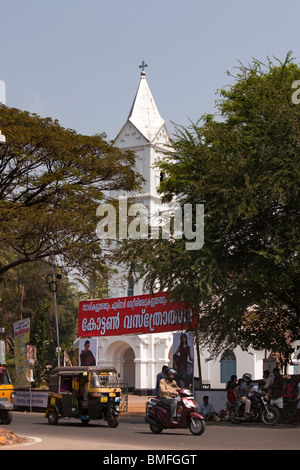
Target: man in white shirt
[207, 409]
[256, 391]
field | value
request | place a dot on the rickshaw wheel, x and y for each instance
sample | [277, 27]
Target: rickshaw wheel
[52, 417]
[112, 421]
[5, 417]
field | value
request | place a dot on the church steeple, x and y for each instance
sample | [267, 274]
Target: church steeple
[146, 134]
[144, 114]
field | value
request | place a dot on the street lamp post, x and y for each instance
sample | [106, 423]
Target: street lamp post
[50, 279]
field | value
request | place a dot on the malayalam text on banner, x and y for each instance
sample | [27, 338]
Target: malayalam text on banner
[150, 313]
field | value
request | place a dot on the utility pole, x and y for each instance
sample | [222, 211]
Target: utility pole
[52, 284]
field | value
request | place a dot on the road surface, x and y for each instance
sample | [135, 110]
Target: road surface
[134, 434]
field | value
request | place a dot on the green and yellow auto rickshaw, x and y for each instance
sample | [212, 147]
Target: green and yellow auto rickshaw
[6, 396]
[84, 392]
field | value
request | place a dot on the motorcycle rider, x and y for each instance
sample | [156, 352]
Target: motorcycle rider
[243, 390]
[255, 392]
[159, 376]
[168, 390]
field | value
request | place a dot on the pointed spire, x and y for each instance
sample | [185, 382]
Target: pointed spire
[144, 114]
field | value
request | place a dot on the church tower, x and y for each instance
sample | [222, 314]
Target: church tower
[139, 358]
[145, 133]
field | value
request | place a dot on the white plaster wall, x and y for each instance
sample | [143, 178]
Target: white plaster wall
[250, 361]
[150, 353]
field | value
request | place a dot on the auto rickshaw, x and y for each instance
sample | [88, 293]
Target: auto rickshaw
[84, 392]
[6, 396]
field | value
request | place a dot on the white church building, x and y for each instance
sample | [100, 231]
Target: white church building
[139, 357]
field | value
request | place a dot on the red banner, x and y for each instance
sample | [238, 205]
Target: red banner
[132, 315]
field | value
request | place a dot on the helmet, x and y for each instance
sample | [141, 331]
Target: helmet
[247, 377]
[169, 371]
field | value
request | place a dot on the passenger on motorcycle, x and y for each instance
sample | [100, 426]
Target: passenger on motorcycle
[168, 390]
[243, 390]
[231, 388]
[255, 392]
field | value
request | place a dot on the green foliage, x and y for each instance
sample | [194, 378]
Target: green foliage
[25, 294]
[51, 182]
[39, 328]
[244, 166]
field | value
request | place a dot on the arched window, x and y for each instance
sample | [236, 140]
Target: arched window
[228, 365]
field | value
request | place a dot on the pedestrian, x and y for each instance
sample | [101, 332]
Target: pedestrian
[206, 409]
[276, 391]
[268, 381]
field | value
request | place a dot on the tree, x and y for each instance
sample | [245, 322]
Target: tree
[51, 182]
[39, 326]
[26, 294]
[244, 166]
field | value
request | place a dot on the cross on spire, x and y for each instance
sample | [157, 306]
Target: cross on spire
[143, 66]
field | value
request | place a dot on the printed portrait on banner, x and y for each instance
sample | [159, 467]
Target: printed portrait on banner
[88, 352]
[183, 359]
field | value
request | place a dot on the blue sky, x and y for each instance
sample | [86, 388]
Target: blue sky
[78, 60]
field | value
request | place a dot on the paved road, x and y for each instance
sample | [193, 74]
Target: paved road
[134, 434]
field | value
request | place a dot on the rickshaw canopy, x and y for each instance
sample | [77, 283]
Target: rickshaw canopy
[61, 373]
[78, 370]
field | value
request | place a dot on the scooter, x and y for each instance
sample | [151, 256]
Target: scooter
[267, 414]
[158, 415]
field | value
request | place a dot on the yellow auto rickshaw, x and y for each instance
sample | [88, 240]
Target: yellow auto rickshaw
[6, 396]
[84, 392]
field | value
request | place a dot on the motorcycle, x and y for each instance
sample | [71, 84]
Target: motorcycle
[158, 415]
[262, 411]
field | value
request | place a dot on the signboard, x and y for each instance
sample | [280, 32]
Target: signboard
[27, 399]
[88, 352]
[2, 352]
[183, 359]
[21, 333]
[150, 313]
[31, 355]
[269, 364]
[296, 354]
